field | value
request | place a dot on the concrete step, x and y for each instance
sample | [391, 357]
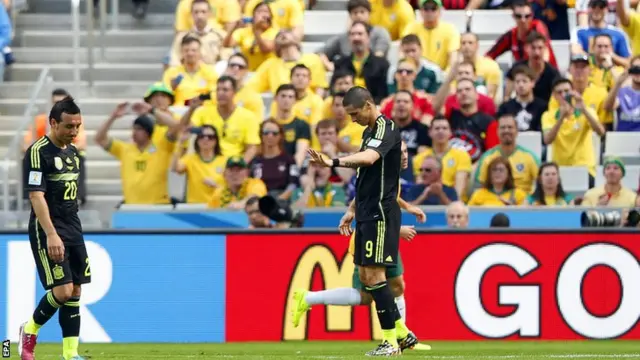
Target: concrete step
[94, 106]
[94, 187]
[125, 6]
[112, 55]
[101, 72]
[44, 21]
[121, 134]
[94, 152]
[9, 124]
[96, 169]
[101, 89]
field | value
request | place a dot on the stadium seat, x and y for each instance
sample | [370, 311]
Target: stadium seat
[90, 219]
[8, 220]
[596, 149]
[631, 179]
[531, 140]
[625, 145]
[575, 179]
[191, 207]
[136, 207]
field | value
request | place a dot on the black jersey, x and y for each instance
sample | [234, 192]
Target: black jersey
[55, 172]
[377, 185]
[293, 131]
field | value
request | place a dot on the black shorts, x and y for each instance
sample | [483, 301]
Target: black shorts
[376, 243]
[74, 268]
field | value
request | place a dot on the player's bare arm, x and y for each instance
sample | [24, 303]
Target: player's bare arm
[55, 247]
[347, 219]
[360, 159]
[413, 210]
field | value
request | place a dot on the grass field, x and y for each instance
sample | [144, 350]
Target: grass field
[592, 350]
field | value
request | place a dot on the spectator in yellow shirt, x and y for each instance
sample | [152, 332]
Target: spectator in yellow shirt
[499, 188]
[144, 163]
[487, 70]
[277, 70]
[340, 82]
[256, 40]
[440, 40]
[456, 163]
[288, 14]
[612, 193]
[569, 129]
[245, 97]
[193, 77]
[603, 71]
[524, 163]
[549, 191]
[308, 106]
[238, 126]
[224, 14]
[203, 168]
[238, 187]
[159, 99]
[630, 21]
[210, 37]
[393, 15]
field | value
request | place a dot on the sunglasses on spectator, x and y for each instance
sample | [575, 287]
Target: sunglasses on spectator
[522, 16]
[207, 136]
[236, 65]
[268, 132]
[426, 170]
[404, 71]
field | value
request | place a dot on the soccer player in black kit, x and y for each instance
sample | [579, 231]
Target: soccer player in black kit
[51, 167]
[378, 214]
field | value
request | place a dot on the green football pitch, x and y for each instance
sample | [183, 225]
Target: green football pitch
[485, 350]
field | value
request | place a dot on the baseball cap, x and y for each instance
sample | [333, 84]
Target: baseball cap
[236, 161]
[437, 2]
[598, 3]
[158, 88]
[580, 58]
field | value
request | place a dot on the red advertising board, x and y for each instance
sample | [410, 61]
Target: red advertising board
[459, 286]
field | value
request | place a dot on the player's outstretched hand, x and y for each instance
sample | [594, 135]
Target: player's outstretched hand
[55, 248]
[318, 158]
[418, 213]
[408, 232]
[345, 223]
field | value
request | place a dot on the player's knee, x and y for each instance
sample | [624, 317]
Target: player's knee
[63, 293]
[397, 286]
[77, 291]
[365, 298]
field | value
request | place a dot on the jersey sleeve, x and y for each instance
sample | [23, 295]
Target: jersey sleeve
[257, 188]
[305, 131]
[252, 136]
[384, 139]
[116, 148]
[34, 170]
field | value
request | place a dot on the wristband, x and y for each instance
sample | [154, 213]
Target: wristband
[336, 162]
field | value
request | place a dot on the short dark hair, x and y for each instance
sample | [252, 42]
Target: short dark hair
[226, 78]
[297, 67]
[354, 4]
[411, 39]
[252, 200]
[339, 94]
[357, 97]
[469, 63]
[325, 124]
[466, 79]
[535, 36]
[239, 55]
[216, 148]
[201, 2]
[520, 3]
[64, 106]
[367, 27]
[406, 92]
[475, 36]
[285, 87]
[189, 39]
[59, 92]
[559, 81]
[439, 117]
[500, 220]
[603, 35]
[507, 114]
[523, 70]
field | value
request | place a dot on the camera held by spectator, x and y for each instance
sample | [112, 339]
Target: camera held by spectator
[280, 212]
[594, 218]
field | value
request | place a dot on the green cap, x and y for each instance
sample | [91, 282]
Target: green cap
[437, 2]
[236, 161]
[615, 160]
[158, 88]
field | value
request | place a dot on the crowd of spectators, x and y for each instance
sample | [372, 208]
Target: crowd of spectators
[459, 113]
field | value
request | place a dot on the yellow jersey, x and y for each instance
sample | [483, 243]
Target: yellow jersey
[453, 161]
[358, 79]
[192, 84]
[222, 12]
[602, 77]
[246, 41]
[275, 72]
[437, 43]
[633, 31]
[197, 170]
[223, 196]
[394, 18]
[309, 108]
[488, 71]
[250, 100]
[625, 198]
[594, 97]
[573, 146]
[524, 166]
[144, 173]
[486, 197]
[287, 14]
[238, 131]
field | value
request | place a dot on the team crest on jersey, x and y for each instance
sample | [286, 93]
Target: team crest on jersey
[57, 162]
[346, 139]
[451, 162]
[152, 149]
[58, 272]
[290, 135]
[307, 111]
[519, 167]
[240, 103]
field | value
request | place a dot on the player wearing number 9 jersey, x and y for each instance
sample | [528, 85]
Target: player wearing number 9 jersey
[51, 169]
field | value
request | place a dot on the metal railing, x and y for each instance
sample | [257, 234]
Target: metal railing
[15, 150]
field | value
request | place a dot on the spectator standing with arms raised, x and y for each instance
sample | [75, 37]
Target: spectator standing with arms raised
[549, 191]
[203, 168]
[625, 100]
[630, 23]
[440, 40]
[256, 40]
